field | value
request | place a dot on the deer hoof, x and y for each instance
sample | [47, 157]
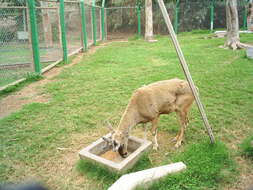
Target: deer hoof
[155, 147]
[174, 139]
[178, 144]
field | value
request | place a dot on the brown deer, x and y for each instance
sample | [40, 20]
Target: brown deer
[147, 104]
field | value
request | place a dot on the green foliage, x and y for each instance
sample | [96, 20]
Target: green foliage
[135, 37]
[15, 2]
[207, 166]
[247, 147]
[31, 76]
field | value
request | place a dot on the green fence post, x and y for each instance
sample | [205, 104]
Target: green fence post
[63, 32]
[34, 34]
[211, 15]
[103, 19]
[139, 19]
[85, 44]
[103, 22]
[245, 16]
[94, 23]
[176, 17]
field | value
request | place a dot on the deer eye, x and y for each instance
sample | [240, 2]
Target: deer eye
[115, 143]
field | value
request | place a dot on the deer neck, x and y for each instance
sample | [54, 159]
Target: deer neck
[128, 120]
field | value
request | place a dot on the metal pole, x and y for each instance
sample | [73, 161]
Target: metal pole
[94, 23]
[85, 44]
[212, 15]
[34, 34]
[245, 16]
[176, 17]
[103, 22]
[185, 69]
[139, 19]
[63, 32]
[103, 19]
[24, 19]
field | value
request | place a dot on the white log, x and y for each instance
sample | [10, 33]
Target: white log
[132, 180]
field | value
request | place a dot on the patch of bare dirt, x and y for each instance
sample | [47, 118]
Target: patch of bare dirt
[166, 146]
[62, 170]
[56, 171]
[245, 166]
[33, 92]
[245, 179]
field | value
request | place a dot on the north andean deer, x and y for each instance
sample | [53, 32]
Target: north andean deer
[147, 104]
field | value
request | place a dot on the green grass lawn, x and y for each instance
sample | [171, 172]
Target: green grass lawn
[99, 87]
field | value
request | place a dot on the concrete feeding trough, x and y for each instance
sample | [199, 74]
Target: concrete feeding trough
[100, 153]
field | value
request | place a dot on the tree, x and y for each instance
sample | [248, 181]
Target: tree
[149, 20]
[233, 39]
[250, 16]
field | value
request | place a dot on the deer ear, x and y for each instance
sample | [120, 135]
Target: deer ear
[108, 140]
[110, 127]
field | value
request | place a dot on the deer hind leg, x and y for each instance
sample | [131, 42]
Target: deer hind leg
[182, 112]
[154, 132]
[184, 121]
[183, 124]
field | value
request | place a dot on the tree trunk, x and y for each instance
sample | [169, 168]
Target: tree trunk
[149, 20]
[233, 39]
[250, 17]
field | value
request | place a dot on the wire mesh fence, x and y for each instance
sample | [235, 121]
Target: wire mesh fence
[88, 16]
[220, 14]
[73, 26]
[58, 26]
[158, 20]
[121, 22]
[98, 23]
[48, 23]
[194, 16]
[15, 49]
[17, 39]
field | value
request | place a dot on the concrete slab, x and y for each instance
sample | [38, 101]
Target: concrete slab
[96, 152]
[250, 52]
[145, 178]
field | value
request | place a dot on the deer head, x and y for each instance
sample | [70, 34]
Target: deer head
[117, 141]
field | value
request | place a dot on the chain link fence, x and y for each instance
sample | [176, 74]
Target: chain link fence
[98, 23]
[15, 49]
[17, 39]
[220, 14]
[192, 15]
[73, 26]
[48, 24]
[64, 31]
[89, 27]
[121, 22]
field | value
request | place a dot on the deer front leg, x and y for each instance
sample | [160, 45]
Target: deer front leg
[145, 131]
[181, 132]
[154, 133]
